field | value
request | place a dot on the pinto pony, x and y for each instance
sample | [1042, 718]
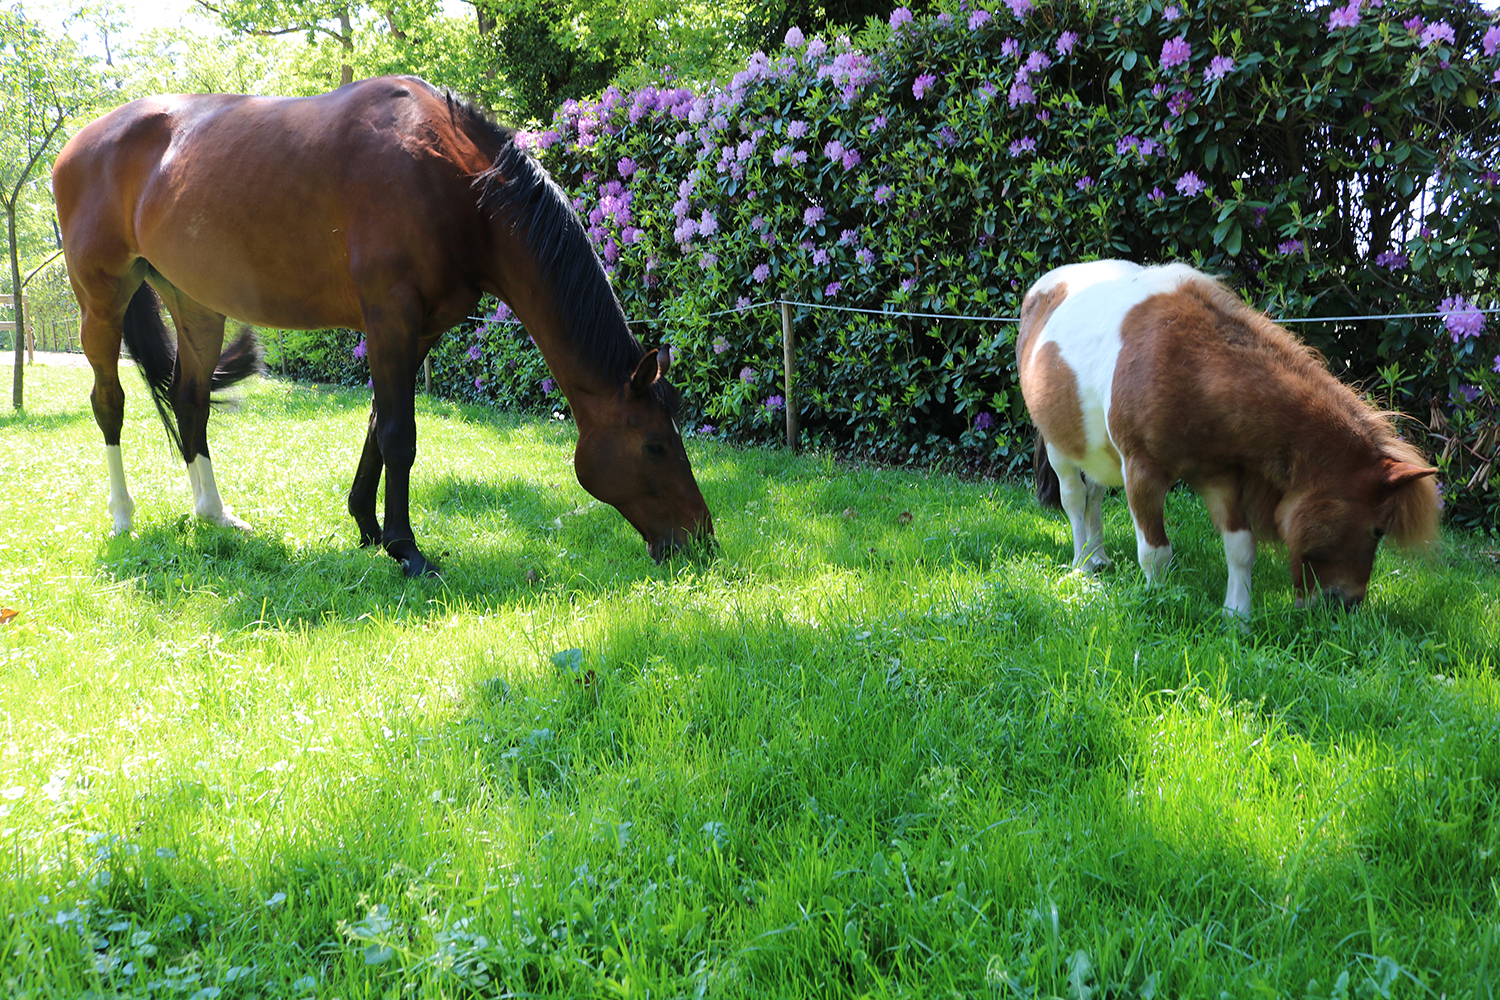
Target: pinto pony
[385, 207]
[1143, 376]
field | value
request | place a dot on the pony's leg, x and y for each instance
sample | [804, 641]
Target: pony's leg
[1146, 492]
[366, 481]
[1077, 491]
[200, 340]
[1093, 520]
[1224, 509]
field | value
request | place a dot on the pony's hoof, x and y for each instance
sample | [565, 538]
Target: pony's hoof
[416, 566]
[228, 520]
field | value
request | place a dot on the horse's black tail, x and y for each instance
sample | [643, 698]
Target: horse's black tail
[154, 349]
[1048, 486]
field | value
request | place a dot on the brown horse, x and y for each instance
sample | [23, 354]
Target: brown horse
[1140, 377]
[385, 207]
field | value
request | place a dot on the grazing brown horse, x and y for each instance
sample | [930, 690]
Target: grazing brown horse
[383, 206]
[1140, 377]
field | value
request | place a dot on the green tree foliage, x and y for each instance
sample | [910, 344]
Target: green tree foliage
[44, 85]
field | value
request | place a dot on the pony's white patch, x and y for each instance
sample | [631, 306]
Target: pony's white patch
[121, 507]
[1239, 553]
[207, 504]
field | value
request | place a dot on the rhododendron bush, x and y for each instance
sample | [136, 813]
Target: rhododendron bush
[1329, 160]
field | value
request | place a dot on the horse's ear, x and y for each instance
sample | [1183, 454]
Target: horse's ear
[647, 372]
[1398, 474]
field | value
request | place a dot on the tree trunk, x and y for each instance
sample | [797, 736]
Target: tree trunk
[346, 39]
[15, 288]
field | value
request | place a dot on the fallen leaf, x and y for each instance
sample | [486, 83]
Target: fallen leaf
[8, 615]
[850, 512]
[905, 517]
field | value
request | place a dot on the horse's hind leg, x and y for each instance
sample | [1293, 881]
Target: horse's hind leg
[102, 300]
[366, 482]
[200, 341]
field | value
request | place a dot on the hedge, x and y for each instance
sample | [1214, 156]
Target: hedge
[1327, 161]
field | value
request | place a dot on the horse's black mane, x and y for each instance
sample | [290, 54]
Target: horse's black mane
[518, 188]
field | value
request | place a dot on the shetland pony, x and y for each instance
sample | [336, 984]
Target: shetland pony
[1143, 376]
[384, 206]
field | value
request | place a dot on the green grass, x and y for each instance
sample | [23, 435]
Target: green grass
[884, 745]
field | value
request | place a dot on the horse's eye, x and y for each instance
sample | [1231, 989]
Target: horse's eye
[656, 448]
[1379, 532]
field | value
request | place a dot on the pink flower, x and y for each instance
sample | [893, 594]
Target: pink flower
[1066, 41]
[1344, 17]
[833, 289]
[979, 19]
[1172, 13]
[1438, 31]
[1021, 93]
[1175, 52]
[900, 16]
[794, 38]
[850, 159]
[1413, 26]
[1189, 184]
[922, 84]
[883, 194]
[813, 215]
[1289, 247]
[1020, 8]
[796, 129]
[761, 273]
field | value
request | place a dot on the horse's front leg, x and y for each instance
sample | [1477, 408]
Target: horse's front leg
[366, 483]
[393, 368]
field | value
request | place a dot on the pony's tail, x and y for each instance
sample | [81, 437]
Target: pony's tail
[154, 349]
[1048, 486]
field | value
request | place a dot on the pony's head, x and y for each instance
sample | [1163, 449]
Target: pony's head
[631, 456]
[1332, 531]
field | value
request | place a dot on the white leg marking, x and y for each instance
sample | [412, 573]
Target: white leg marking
[207, 503]
[1075, 491]
[121, 507]
[1239, 553]
[1153, 558]
[1093, 526]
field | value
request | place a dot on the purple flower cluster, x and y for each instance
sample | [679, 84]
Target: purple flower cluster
[1461, 317]
[1289, 247]
[1190, 184]
[774, 403]
[1491, 41]
[1438, 31]
[1344, 17]
[922, 84]
[1175, 52]
[1393, 260]
[1218, 68]
[360, 349]
[983, 421]
[1023, 145]
[1134, 145]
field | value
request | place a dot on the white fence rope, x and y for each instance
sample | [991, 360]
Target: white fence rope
[656, 320]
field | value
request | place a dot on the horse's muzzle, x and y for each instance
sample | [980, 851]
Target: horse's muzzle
[704, 546]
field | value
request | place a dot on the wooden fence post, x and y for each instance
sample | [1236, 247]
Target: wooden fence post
[789, 355]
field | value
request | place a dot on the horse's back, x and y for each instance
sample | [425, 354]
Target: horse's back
[281, 211]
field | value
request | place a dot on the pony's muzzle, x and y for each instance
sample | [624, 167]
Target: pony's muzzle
[1345, 601]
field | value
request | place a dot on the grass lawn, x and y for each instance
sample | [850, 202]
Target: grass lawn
[884, 745]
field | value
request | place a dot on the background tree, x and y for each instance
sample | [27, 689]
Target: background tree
[44, 85]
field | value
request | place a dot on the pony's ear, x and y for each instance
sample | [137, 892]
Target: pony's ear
[647, 372]
[1398, 474]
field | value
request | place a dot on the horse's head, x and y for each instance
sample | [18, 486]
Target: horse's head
[1332, 533]
[630, 456]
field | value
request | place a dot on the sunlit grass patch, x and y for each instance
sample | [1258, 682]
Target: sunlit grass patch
[884, 744]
